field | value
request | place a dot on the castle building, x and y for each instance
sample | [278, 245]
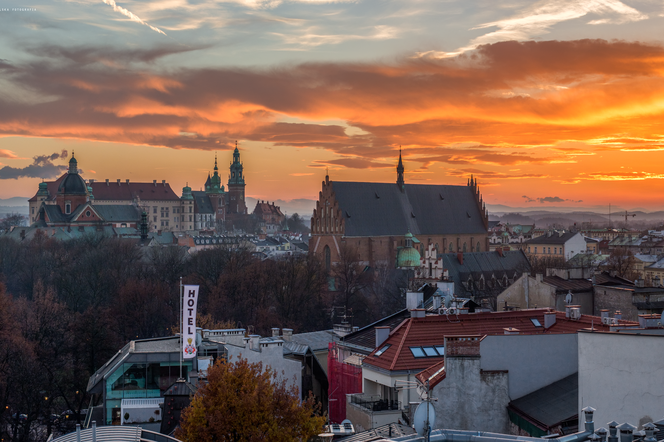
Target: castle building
[70, 201]
[270, 217]
[373, 220]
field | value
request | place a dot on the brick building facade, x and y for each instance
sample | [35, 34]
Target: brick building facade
[370, 220]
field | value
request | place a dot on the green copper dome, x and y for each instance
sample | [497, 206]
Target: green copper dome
[186, 193]
[408, 256]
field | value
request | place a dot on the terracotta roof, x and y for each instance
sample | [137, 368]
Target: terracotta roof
[127, 192]
[264, 209]
[433, 374]
[432, 329]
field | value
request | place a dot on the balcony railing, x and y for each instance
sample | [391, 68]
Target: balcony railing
[375, 402]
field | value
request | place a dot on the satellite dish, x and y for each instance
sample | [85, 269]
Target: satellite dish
[420, 417]
[346, 421]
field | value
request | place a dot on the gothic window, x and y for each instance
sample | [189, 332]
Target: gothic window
[67, 207]
[327, 258]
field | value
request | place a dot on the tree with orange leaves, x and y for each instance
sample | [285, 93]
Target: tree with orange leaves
[243, 402]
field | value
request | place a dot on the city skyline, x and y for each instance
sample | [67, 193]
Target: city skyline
[553, 103]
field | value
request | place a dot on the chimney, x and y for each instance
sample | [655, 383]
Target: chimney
[154, 182]
[588, 417]
[78, 432]
[414, 300]
[460, 258]
[245, 341]
[500, 251]
[418, 313]
[107, 181]
[118, 181]
[618, 315]
[287, 334]
[254, 342]
[91, 180]
[650, 321]
[436, 301]
[604, 313]
[127, 181]
[549, 319]
[613, 425]
[650, 428]
[602, 434]
[275, 332]
[626, 432]
[163, 182]
[382, 333]
[94, 431]
[356, 328]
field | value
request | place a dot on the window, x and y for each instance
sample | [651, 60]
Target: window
[535, 249]
[88, 213]
[155, 219]
[382, 350]
[549, 252]
[67, 207]
[535, 322]
[190, 208]
[154, 209]
[555, 250]
[417, 352]
[528, 249]
[327, 258]
[428, 351]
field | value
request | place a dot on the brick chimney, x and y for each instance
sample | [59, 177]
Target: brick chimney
[462, 346]
[460, 258]
[382, 333]
[549, 319]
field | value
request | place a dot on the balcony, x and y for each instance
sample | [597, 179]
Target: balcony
[371, 411]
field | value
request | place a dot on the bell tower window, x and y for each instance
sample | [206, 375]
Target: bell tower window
[68, 207]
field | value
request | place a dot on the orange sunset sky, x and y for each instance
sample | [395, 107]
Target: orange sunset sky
[554, 103]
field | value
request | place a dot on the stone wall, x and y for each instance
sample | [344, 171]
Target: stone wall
[614, 299]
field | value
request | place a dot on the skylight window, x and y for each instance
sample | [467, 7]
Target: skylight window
[535, 322]
[382, 350]
[429, 351]
[418, 352]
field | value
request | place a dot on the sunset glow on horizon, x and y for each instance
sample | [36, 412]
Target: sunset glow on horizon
[548, 104]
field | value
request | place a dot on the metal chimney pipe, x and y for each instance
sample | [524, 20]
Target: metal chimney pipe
[78, 432]
[589, 424]
[94, 431]
[613, 431]
[602, 432]
[626, 432]
[649, 428]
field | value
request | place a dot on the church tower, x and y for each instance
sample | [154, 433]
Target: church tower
[400, 182]
[236, 184]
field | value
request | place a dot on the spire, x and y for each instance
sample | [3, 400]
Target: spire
[73, 164]
[400, 180]
[215, 162]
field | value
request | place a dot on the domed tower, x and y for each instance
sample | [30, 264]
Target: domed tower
[236, 202]
[72, 191]
[408, 257]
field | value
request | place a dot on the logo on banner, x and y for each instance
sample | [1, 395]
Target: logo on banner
[189, 349]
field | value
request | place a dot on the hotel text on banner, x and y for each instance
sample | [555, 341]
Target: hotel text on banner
[189, 321]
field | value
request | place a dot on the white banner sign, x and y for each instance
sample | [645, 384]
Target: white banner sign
[189, 321]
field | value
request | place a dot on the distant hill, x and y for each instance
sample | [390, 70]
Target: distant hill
[17, 201]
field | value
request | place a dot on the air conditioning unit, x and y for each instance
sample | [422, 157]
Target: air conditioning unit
[575, 313]
[606, 320]
[614, 321]
[452, 311]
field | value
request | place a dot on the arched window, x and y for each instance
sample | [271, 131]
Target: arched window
[464, 247]
[328, 258]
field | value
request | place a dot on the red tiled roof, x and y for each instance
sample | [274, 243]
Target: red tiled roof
[433, 374]
[120, 192]
[432, 329]
[264, 209]
[127, 192]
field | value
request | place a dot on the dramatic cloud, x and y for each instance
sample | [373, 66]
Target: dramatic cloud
[503, 104]
[41, 167]
[4, 153]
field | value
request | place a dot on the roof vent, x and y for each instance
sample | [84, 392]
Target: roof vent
[589, 423]
[347, 214]
[468, 214]
[412, 214]
[441, 196]
[377, 196]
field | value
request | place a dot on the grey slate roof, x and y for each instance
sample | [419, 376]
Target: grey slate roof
[318, 340]
[117, 213]
[202, 201]
[381, 209]
[512, 263]
[553, 239]
[380, 433]
[54, 213]
[552, 404]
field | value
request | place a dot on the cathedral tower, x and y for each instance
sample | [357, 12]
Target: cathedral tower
[236, 184]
